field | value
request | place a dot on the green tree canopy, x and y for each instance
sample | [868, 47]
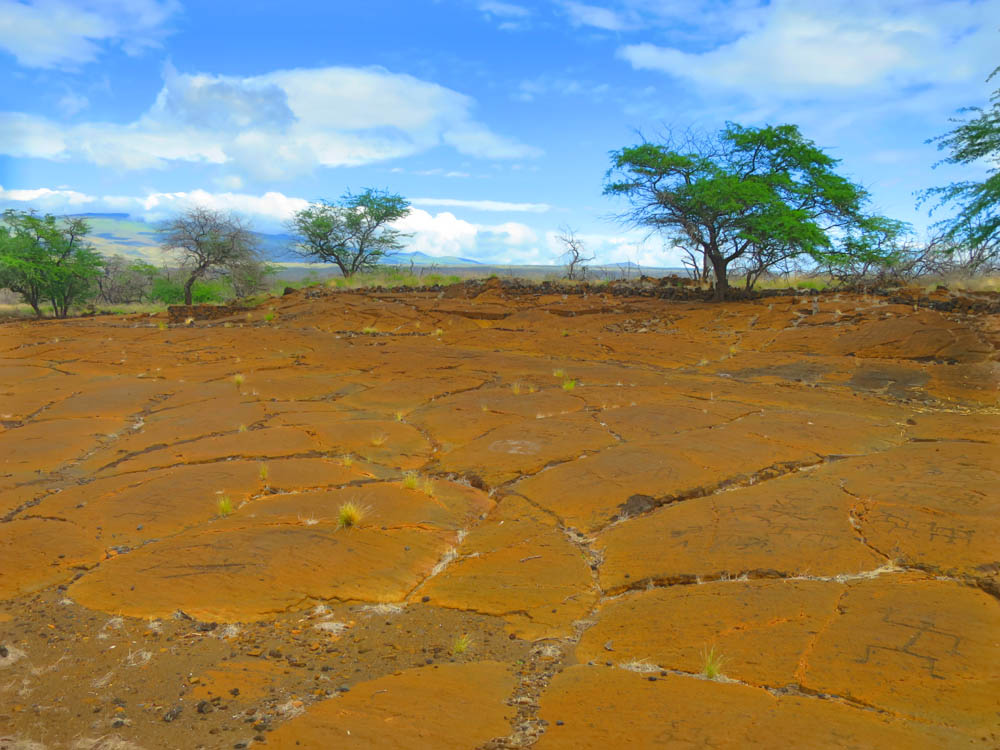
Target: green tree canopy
[354, 232]
[758, 195]
[47, 259]
[977, 139]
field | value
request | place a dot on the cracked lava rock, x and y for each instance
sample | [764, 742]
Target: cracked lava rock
[503, 516]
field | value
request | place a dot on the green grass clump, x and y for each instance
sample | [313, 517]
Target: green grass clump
[560, 373]
[568, 385]
[239, 379]
[346, 460]
[263, 472]
[711, 662]
[225, 506]
[349, 515]
[269, 317]
[369, 330]
[461, 644]
[411, 481]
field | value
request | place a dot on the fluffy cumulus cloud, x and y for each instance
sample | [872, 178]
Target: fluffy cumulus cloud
[272, 126]
[67, 33]
[795, 48]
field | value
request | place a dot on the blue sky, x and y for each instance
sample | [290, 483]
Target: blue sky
[494, 118]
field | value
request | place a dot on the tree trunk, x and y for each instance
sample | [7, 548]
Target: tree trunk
[187, 289]
[721, 276]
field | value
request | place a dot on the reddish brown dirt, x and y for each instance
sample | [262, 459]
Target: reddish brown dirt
[568, 501]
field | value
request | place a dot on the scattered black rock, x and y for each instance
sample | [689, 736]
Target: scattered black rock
[173, 713]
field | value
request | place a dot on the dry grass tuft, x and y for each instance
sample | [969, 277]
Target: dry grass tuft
[349, 515]
[225, 506]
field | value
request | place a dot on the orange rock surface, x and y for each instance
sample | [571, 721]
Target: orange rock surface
[501, 516]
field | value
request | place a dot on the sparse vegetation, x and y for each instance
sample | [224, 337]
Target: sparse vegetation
[574, 254]
[711, 662]
[461, 644]
[411, 481]
[559, 373]
[369, 330]
[46, 259]
[207, 240]
[349, 515]
[379, 439]
[568, 385]
[224, 505]
[239, 379]
[354, 232]
[347, 461]
[263, 473]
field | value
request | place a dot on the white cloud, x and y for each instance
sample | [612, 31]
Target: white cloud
[545, 85]
[595, 16]
[512, 233]
[792, 48]
[512, 17]
[483, 205]
[504, 10]
[270, 210]
[28, 135]
[439, 234]
[60, 33]
[275, 125]
[71, 103]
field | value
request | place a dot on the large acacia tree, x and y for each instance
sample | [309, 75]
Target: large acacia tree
[762, 195]
[207, 241]
[354, 232]
[47, 259]
[975, 227]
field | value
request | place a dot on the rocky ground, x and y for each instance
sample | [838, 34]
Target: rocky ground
[572, 505]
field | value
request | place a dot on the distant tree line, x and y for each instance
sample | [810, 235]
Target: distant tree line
[48, 260]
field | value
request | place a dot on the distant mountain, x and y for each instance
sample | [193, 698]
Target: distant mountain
[423, 259]
[119, 234]
[122, 217]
